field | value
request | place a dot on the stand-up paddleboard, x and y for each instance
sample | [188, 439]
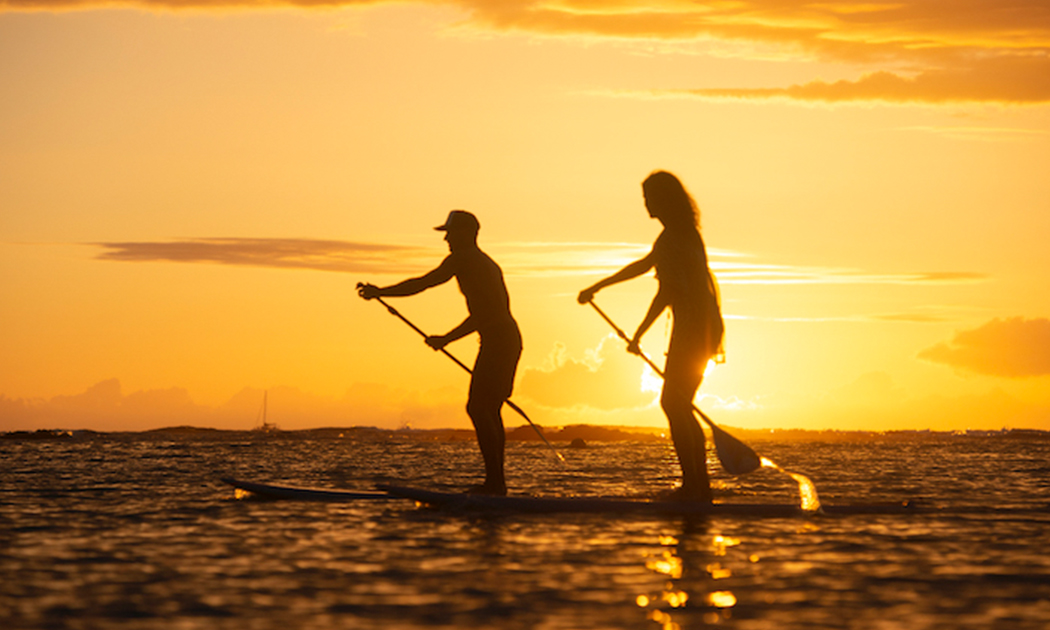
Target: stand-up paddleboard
[555, 505]
[274, 491]
[548, 505]
[594, 505]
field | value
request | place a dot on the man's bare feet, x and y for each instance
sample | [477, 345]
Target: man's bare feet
[491, 489]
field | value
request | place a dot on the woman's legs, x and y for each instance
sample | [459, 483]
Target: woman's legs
[682, 376]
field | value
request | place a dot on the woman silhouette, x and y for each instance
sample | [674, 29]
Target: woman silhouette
[688, 288]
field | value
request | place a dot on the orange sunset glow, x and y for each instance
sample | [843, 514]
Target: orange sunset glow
[190, 191]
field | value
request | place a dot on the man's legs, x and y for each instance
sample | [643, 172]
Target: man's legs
[490, 386]
[484, 410]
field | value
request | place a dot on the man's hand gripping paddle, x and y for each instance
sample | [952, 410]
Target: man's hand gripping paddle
[393, 311]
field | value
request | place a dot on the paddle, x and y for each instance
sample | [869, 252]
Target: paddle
[393, 311]
[737, 458]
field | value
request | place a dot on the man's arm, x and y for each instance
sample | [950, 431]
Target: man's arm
[444, 272]
[438, 342]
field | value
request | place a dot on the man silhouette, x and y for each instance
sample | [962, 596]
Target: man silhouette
[488, 304]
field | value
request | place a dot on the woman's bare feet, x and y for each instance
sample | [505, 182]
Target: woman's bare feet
[681, 493]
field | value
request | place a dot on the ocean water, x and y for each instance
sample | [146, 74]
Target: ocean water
[135, 531]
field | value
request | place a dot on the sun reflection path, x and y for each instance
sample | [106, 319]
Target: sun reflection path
[671, 563]
[806, 490]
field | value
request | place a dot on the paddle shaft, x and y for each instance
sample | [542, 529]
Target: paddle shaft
[646, 358]
[393, 311]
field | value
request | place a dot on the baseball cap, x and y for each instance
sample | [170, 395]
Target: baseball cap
[460, 221]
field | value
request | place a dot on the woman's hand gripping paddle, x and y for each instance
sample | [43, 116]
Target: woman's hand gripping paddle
[393, 311]
[737, 458]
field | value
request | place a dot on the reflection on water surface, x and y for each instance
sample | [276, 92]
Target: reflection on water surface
[137, 533]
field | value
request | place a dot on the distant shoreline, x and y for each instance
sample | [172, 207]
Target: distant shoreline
[524, 433]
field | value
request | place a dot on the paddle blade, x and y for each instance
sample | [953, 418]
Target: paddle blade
[737, 458]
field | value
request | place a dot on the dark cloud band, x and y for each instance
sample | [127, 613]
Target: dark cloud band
[917, 51]
[284, 253]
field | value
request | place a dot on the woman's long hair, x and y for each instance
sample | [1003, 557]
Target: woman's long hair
[668, 196]
[669, 201]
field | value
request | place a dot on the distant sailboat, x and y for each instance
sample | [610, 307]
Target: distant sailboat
[262, 424]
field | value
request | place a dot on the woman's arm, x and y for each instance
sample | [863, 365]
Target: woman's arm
[632, 270]
[660, 302]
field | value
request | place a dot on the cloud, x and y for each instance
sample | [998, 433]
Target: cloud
[982, 134]
[875, 402]
[871, 388]
[531, 259]
[1008, 79]
[911, 318]
[105, 407]
[522, 259]
[156, 5]
[1013, 348]
[740, 272]
[283, 253]
[914, 51]
[607, 379]
[565, 258]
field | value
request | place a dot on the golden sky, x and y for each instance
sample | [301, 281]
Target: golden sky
[189, 192]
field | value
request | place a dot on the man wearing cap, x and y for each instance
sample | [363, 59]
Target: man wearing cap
[488, 304]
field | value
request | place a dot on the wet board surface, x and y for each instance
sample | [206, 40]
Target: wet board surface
[612, 505]
[548, 505]
[331, 495]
